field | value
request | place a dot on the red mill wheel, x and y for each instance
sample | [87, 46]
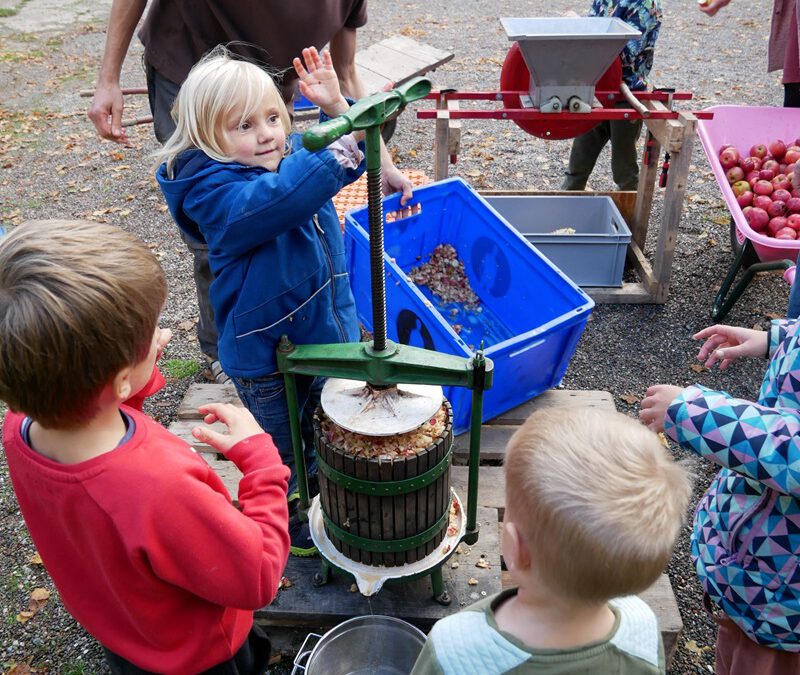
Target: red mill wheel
[384, 508]
[515, 76]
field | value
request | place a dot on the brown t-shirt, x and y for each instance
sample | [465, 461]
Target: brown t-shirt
[177, 33]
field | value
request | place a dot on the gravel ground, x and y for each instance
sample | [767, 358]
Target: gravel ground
[52, 165]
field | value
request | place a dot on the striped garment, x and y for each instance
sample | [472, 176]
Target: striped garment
[746, 534]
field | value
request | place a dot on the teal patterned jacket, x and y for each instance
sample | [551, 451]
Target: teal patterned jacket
[746, 534]
[637, 55]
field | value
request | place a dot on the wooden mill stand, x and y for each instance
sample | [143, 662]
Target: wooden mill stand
[675, 136]
[301, 608]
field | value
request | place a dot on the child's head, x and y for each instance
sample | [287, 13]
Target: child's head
[223, 103]
[79, 303]
[595, 503]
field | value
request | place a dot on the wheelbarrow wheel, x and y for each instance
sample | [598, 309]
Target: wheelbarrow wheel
[750, 256]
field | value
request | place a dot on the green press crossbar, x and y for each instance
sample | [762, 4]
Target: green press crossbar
[385, 488]
[390, 545]
[727, 297]
[397, 364]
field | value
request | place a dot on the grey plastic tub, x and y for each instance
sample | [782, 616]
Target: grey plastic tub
[592, 255]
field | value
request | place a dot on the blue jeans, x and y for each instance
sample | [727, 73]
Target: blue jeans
[265, 397]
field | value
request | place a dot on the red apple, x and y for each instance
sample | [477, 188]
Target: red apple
[794, 146]
[781, 182]
[786, 233]
[782, 168]
[746, 210]
[757, 219]
[789, 169]
[763, 187]
[752, 177]
[793, 204]
[766, 174]
[745, 199]
[776, 224]
[762, 201]
[795, 192]
[793, 221]
[791, 155]
[729, 157]
[777, 149]
[748, 164]
[777, 209]
[759, 150]
[734, 174]
[723, 148]
[781, 195]
[771, 165]
[757, 162]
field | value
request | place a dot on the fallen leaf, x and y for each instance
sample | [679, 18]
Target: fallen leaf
[40, 594]
[698, 368]
[36, 559]
[24, 617]
[472, 581]
[187, 325]
[721, 220]
[772, 316]
[630, 399]
[20, 669]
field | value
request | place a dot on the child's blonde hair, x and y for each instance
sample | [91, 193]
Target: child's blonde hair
[598, 500]
[216, 85]
[79, 301]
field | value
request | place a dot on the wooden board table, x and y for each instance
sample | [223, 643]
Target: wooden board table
[302, 608]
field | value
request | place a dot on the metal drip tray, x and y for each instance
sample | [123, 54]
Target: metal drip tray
[566, 56]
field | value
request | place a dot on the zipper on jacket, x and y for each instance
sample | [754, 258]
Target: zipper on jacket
[321, 234]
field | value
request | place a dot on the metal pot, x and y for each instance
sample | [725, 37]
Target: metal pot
[368, 645]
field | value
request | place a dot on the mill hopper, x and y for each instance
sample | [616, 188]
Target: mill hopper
[566, 56]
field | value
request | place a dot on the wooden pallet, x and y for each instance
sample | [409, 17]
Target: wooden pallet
[303, 608]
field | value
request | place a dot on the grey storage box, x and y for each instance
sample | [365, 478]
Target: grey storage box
[584, 236]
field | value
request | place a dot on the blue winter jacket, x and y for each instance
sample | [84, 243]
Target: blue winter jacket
[275, 248]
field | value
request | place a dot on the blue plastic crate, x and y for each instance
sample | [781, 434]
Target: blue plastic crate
[532, 314]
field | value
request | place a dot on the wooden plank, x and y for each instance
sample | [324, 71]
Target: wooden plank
[202, 394]
[628, 293]
[648, 176]
[441, 144]
[183, 430]
[491, 486]
[372, 82]
[304, 605]
[389, 63]
[677, 182]
[493, 444]
[660, 599]
[432, 56]
[642, 266]
[668, 133]
[556, 398]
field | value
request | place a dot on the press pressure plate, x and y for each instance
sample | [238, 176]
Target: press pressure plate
[364, 409]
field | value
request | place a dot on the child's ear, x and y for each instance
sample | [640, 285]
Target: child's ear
[121, 387]
[515, 548]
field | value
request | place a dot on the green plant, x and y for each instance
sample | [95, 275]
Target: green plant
[74, 668]
[180, 368]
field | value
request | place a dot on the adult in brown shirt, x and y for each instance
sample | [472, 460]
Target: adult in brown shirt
[177, 33]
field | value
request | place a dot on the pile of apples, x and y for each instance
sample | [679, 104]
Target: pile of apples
[762, 184]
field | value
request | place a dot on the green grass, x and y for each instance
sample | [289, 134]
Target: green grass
[74, 668]
[180, 368]
[8, 11]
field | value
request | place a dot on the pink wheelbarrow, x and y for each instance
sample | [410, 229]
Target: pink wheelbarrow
[743, 127]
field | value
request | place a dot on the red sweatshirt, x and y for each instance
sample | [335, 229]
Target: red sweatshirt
[145, 547]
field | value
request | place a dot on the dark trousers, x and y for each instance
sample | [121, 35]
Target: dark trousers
[162, 93]
[251, 659]
[587, 147]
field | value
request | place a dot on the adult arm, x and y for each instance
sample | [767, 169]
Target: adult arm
[105, 110]
[711, 7]
[343, 54]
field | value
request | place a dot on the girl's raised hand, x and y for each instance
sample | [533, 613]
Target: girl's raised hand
[724, 344]
[319, 82]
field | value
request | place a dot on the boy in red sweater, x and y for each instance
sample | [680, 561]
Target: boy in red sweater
[137, 533]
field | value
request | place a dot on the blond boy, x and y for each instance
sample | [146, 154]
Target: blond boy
[593, 506]
[138, 534]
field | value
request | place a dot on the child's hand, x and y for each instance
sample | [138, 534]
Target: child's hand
[655, 403]
[319, 82]
[164, 336]
[240, 422]
[725, 344]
